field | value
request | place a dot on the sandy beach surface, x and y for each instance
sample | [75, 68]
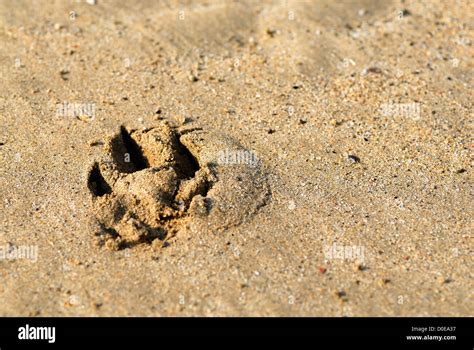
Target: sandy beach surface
[236, 158]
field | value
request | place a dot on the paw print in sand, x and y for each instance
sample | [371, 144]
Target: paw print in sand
[150, 183]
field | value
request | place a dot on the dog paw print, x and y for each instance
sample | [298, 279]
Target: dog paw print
[150, 183]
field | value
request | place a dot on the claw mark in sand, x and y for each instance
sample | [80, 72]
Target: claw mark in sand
[151, 183]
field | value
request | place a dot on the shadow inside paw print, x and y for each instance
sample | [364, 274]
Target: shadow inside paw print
[145, 186]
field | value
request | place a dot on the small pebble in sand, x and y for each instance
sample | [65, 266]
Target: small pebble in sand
[342, 295]
[85, 118]
[405, 13]
[96, 143]
[444, 280]
[374, 70]
[291, 205]
[384, 281]
[180, 119]
[361, 267]
[353, 159]
[92, 2]
[64, 74]
[271, 32]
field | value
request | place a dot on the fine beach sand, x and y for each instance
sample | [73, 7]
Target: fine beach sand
[357, 113]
